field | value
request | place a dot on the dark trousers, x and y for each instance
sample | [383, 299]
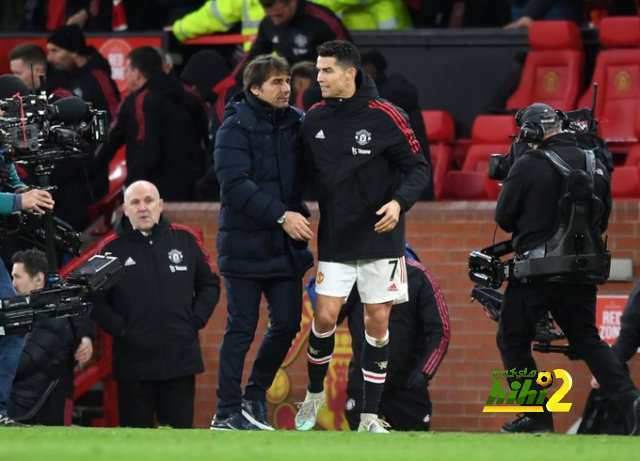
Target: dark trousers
[140, 403]
[284, 300]
[573, 307]
[403, 409]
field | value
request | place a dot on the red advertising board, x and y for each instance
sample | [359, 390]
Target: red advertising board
[608, 312]
[113, 47]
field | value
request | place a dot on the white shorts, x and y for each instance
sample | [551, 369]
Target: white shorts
[379, 280]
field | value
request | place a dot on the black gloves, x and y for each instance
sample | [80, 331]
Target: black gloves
[417, 380]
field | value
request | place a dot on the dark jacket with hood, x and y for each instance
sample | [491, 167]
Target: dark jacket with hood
[366, 155]
[164, 129]
[167, 294]
[258, 161]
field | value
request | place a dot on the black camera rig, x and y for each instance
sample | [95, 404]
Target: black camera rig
[491, 301]
[60, 299]
[38, 134]
[32, 131]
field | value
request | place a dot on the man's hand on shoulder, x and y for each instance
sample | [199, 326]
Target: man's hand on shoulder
[297, 226]
[36, 201]
[390, 216]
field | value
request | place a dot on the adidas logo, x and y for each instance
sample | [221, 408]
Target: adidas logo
[275, 40]
[320, 135]
[393, 287]
[129, 262]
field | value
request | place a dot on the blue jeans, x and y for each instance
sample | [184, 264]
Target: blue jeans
[10, 346]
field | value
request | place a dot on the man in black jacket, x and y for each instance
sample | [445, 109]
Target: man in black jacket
[79, 70]
[370, 172]
[163, 128]
[42, 391]
[529, 207]
[154, 312]
[263, 238]
[421, 332]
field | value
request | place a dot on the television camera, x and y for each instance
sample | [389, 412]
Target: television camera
[582, 122]
[60, 299]
[38, 134]
[488, 272]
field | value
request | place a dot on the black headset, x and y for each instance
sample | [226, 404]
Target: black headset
[531, 131]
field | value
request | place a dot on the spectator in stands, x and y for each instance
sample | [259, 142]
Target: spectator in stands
[398, 90]
[155, 311]
[18, 200]
[422, 328]
[263, 238]
[83, 70]
[162, 128]
[49, 353]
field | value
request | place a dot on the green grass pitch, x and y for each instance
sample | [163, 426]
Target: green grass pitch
[75, 444]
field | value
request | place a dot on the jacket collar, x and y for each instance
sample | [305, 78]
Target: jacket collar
[366, 90]
[125, 229]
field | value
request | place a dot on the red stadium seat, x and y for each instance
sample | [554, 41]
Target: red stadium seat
[441, 134]
[625, 183]
[633, 157]
[617, 71]
[553, 69]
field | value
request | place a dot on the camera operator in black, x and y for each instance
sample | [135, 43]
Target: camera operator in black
[18, 199]
[528, 207]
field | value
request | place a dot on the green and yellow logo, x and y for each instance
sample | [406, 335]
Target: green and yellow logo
[521, 398]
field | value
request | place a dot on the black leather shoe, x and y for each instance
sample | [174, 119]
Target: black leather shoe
[256, 412]
[526, 423]
[234, 422]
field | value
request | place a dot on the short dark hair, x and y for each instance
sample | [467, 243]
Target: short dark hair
[261, 68]
[270, 3]
[304, 69]
[376, 60]
[346, 53]
[34, 261]
[146, 59]
[29, 52]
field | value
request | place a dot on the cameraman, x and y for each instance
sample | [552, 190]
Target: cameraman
[34, 201]
[528, 206]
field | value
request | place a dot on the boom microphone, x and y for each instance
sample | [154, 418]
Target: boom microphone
[67, 110]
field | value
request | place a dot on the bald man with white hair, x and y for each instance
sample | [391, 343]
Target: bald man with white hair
[154, 313]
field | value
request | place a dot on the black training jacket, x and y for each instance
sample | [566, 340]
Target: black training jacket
[365, 155]
[167, 293]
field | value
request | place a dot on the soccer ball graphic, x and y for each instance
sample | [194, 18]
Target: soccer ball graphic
[544, 379]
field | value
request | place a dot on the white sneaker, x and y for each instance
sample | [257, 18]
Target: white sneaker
[371, 423]
[308, 410]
